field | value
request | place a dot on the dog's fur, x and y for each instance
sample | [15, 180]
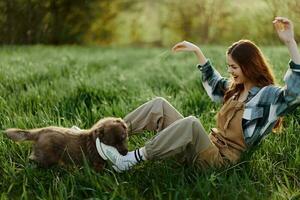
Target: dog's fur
[57, 145]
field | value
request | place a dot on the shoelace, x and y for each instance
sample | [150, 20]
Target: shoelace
[120, 162]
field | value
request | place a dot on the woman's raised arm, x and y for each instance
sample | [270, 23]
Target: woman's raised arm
[288, 97]
[188, 46]
[214, 84]
[285, 30]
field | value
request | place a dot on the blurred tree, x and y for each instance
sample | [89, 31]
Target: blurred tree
[20, 21]
[47, 21]
[68, 20]
[104, 25]
[142, 22]
[200, 20]
[286, 8]
[146, 22]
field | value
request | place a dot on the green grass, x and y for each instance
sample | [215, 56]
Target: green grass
[71, 85]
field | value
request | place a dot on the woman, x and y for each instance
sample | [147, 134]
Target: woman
[252, 107]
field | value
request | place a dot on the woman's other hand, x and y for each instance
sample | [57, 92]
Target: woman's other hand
[190, 47]
[284, 28]
[285, 31]
[185, 46]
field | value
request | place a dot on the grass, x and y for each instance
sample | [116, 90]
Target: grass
[71, 85]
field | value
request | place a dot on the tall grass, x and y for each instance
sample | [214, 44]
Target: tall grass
[71, 85]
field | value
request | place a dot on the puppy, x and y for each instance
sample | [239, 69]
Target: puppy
[57, 145]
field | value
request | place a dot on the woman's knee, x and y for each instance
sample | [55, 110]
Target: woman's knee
[191, 119]
[159, 100]
[194, 122]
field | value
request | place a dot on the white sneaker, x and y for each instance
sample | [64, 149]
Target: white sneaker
[110, 153]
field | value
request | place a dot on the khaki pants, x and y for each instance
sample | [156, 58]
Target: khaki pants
[176, 135]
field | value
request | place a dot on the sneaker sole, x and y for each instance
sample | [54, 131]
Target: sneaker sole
[99, 149]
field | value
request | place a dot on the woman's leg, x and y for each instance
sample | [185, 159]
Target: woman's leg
[185, 137]
[154, 115]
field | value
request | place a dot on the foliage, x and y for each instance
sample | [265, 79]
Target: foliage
[65, 86]
[142, 22]
[49, 21]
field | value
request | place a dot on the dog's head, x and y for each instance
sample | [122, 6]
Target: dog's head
[112, 131]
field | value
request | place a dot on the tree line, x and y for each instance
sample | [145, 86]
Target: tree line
[141, 22]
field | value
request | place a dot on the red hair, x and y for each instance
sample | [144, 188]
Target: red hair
[253, 65]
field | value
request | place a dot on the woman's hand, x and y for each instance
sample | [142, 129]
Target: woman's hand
[284, 28]
[190, 47]
[185, 46]
[285, 31]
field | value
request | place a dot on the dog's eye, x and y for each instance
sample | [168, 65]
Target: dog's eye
[122, 138]
[125, 127]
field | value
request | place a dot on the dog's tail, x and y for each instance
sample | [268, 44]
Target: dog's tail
[21, 135]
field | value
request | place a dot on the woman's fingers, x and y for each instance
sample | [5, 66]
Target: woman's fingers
[184, 46]
[282, 24]
[179, 46]
[175, 48]
[284, 28]
[282, 19]
[279, 26]
[178, 49]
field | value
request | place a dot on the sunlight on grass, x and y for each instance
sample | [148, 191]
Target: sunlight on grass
[65, 86]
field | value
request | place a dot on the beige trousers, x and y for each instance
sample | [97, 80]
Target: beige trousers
[176, 135]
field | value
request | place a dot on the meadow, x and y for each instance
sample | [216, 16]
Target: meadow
[73, 85]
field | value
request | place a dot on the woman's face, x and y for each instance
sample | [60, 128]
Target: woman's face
[235, 71]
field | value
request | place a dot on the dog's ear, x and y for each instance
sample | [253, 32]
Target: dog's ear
[98, 132]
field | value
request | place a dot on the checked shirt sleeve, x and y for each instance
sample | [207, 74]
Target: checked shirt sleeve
[214, 84]
[288, 97]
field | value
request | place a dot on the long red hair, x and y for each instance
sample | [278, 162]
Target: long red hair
[253, 65]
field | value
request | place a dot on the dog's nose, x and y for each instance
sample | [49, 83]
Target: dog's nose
[123, 152]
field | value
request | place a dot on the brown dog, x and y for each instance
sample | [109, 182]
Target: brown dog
[57, 145]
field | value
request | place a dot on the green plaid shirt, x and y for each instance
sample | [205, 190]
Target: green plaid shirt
[263, 105]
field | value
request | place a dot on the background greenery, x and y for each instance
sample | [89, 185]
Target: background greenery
[142, 22]
[73, 85]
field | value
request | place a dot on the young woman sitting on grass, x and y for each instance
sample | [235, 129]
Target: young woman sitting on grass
[252, 107]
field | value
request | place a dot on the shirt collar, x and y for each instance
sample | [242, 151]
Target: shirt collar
[254, 90]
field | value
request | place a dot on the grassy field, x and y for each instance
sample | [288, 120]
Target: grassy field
[70, 85]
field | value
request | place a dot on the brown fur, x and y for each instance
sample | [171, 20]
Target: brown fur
[57, 145]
